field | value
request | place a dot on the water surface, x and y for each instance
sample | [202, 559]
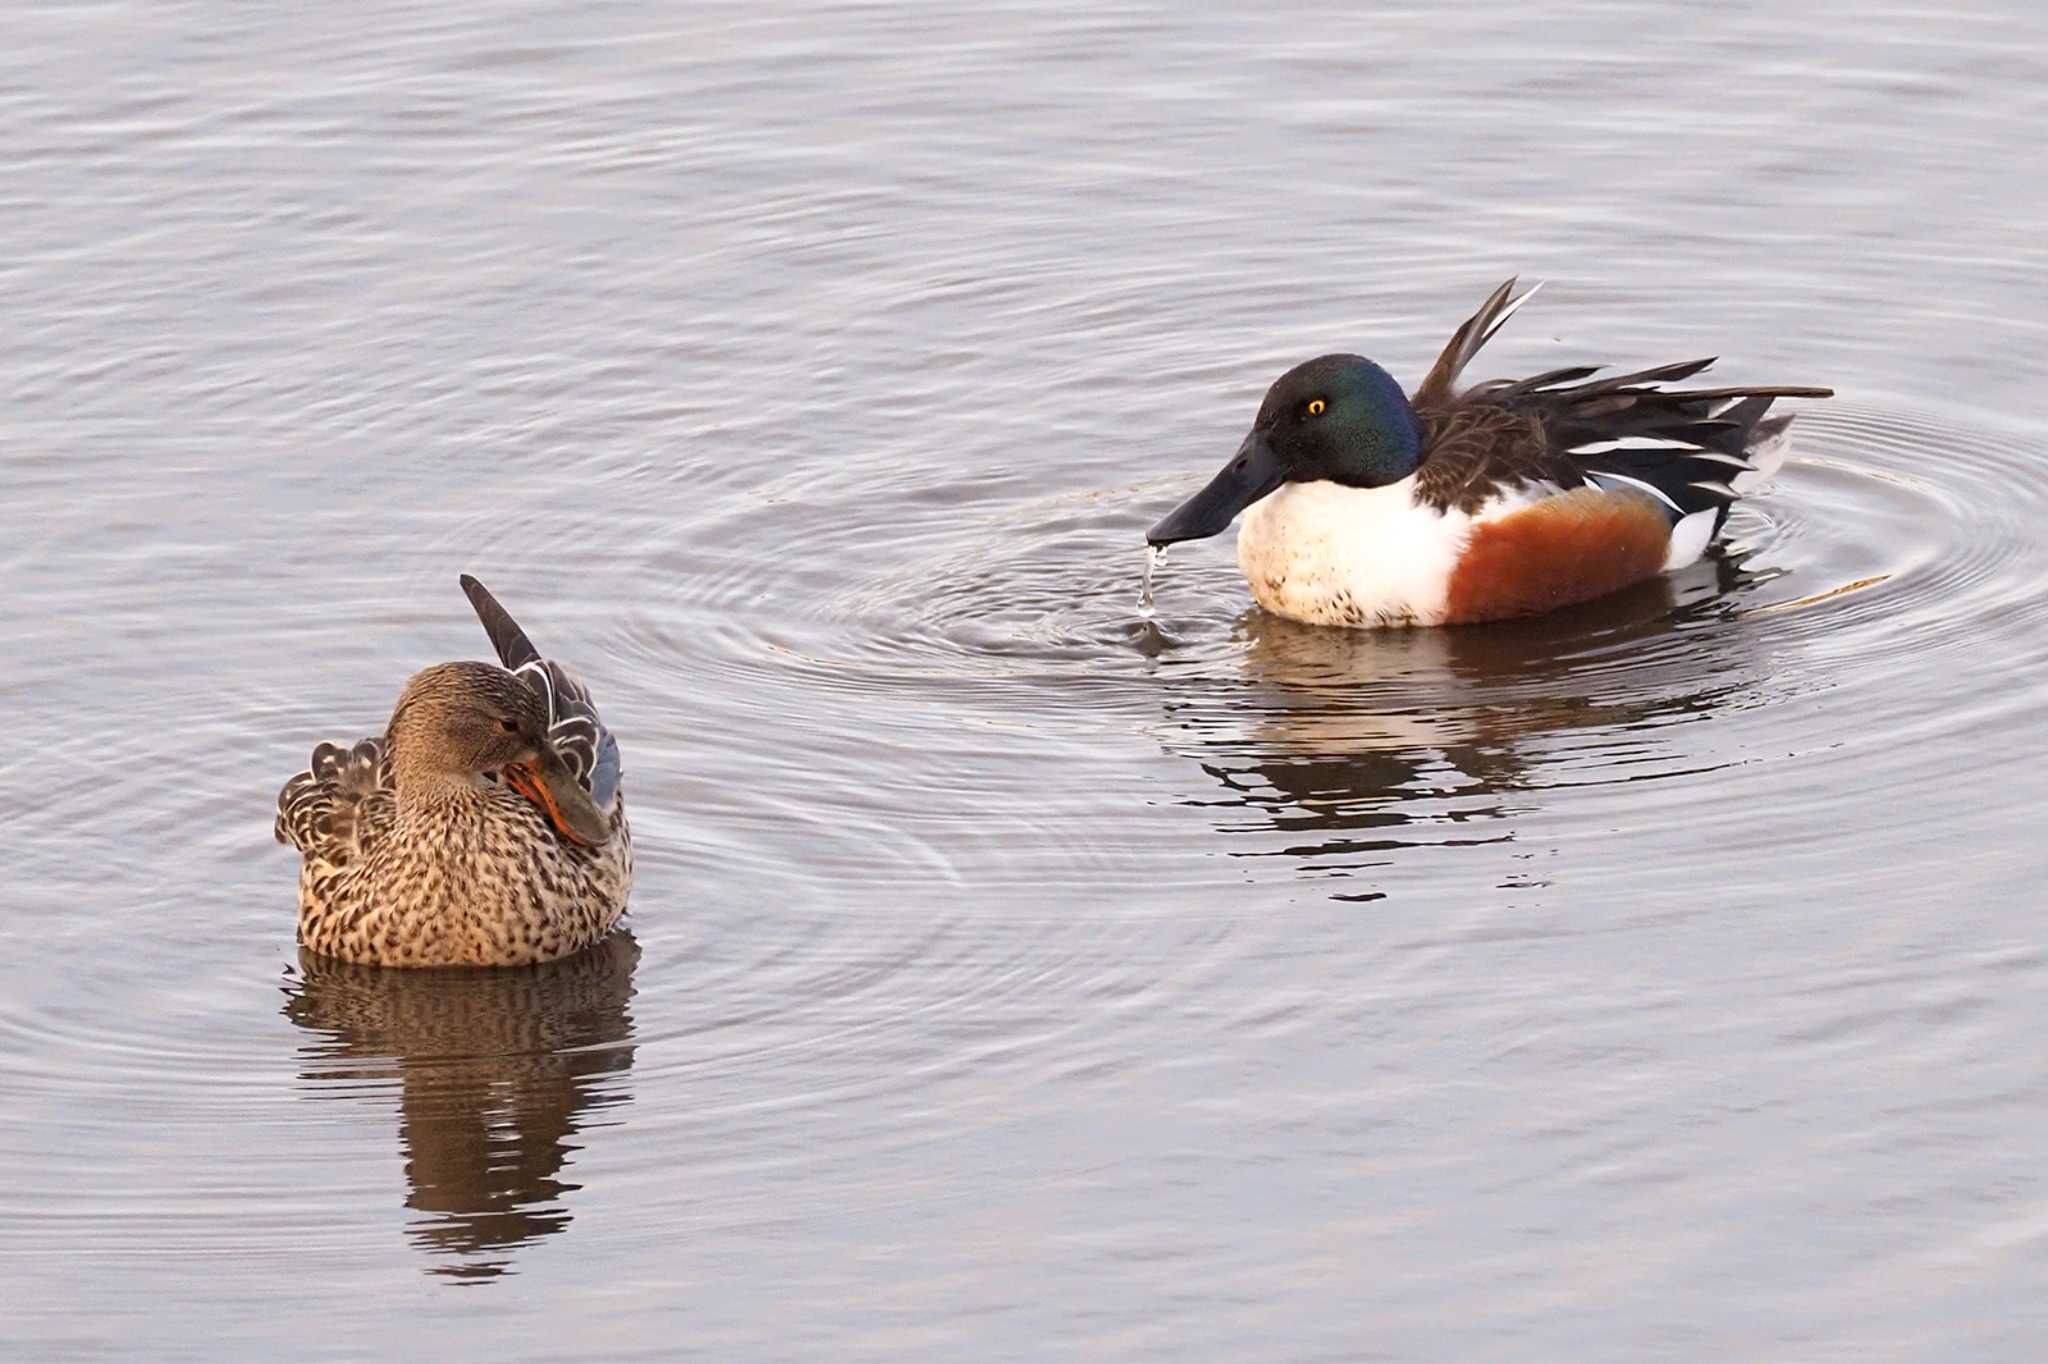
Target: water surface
[1009, 974]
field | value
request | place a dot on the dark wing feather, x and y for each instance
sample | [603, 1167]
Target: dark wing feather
[573, 723]
[515, 650]
[1564, 427]
[1685, 447]
[1439, 386]
[1550, 378]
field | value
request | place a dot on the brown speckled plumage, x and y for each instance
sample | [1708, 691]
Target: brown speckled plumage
[419, 851]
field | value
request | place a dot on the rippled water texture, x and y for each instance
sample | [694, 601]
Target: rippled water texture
[1011, 975]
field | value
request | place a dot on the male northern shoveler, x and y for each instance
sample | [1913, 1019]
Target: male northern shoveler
[485, 828]
[1508, 499]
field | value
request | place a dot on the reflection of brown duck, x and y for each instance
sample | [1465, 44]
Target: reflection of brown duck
[1345, 739]
[498, 1070]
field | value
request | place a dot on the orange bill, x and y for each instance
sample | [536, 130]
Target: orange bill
[548, 783]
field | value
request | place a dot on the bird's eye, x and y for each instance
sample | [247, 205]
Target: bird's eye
[1316, 406]
[510, 726]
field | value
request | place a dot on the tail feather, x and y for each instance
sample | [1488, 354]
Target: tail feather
[317, 809]
[1690, 464]
[1769, 440]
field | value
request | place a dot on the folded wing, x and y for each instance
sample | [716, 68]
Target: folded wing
[573, 722]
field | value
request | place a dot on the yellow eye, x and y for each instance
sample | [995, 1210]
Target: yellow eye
[1315, 407]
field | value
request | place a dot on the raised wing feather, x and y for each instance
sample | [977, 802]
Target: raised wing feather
[1683, 447]
[515, 650]
[1440, 384]
[573, 722]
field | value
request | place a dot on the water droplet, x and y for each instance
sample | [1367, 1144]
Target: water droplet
[1155, 555]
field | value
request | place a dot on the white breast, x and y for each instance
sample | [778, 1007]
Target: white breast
[1327, 554]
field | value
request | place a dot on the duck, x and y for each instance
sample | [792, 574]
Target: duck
[486, 826]
[1365, 507]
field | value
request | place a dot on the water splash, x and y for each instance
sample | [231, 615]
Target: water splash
[1155, 555]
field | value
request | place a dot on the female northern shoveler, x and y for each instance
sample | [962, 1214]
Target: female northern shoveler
[1508, 499]
[485, 828]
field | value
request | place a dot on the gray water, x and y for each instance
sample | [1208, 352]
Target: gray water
[1008, 976]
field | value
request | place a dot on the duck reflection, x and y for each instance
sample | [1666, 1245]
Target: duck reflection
[1353, 744]
[498, 1072]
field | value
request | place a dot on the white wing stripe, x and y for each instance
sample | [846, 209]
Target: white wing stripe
[1601, 476]
[1601, 447]
[1732, 461]
[1509, 311]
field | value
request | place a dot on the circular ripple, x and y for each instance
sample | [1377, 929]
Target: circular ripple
[964, 671]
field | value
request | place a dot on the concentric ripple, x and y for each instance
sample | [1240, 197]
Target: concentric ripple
[1659, 978]
[935, 830]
